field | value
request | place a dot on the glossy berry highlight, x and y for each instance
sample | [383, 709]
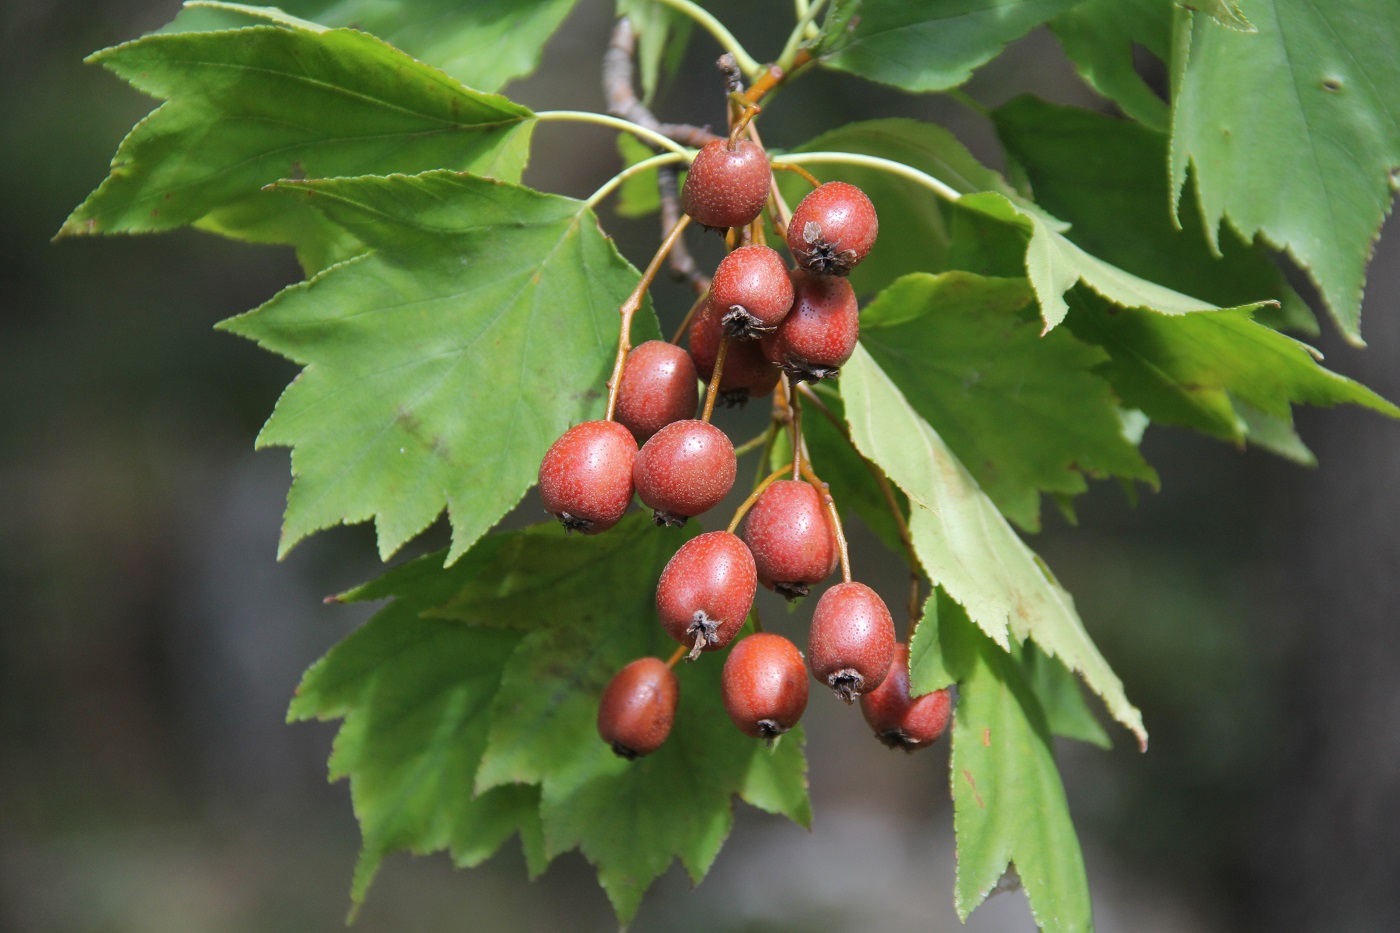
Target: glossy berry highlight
[586, 476]
[706, 591]
[747, 372]
[902, 721]
[727, 187]
[658, 386]
[820, 332]
[790, 534]
[638, 707]
[751, 292]
[852, 640]
[833, 229]
[764, 685]
[684, 470]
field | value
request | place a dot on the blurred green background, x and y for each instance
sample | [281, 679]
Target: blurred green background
[150, 641]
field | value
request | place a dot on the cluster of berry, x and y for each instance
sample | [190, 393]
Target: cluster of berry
[759, 323]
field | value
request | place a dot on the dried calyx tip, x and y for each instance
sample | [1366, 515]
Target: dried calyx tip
[847, 684]
[769, 730]
[734, 398]
[573, 522]
[622, 751]
[668, 519]
[791, 591]
[806, 372]
[739, 324]
[705, 632]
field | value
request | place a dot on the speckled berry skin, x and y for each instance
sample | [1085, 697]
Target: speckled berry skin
[899, 720]
[747, 372]
[727, 188]
[658, 386]
[638, 707]
[706, 591]
[684, 470]
[790, 534]
[764, 685]
[852, 639]
[586, 476]
[820, 332]
[833, 229]
[751, 292]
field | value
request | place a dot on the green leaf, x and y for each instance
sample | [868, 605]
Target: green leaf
[482, 44]
[1098, 37]
[913, 226]
[411, 691]
[662, 34]
[965, 544]
[638, 195]
[1062, 699]
[1304, 147]
[926, 45]
[589, 610]
[442, 364]
[1225, 12]
[1009, 806]
[247, 107]
[1025, 413]
[1105, 177]
[1186, 369]
[930, 668]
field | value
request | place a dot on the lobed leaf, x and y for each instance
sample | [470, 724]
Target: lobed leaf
[442, 363]
[535, 623]
[1009, 807]
[1098, 36]
[1304, 148]
[1026, 414]
[926, 45]
[245, 108]
[963, 541]
[482, 44]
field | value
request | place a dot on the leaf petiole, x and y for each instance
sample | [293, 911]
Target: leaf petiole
[940, 188]
[636, 168]
[746, 62]
[617, 123]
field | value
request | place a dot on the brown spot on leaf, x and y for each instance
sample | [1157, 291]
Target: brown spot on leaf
[973, 784]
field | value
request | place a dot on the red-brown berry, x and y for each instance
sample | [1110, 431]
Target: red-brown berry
[706, 591]
[833, 229]
[901, 721]
[684, 470]
[727, 187]
[638, 707]
[658, 386]
[820, 332]
[586, 476]
[852, 640]
[789, 531]
[764, 685]
[751, 292]
[747, 372]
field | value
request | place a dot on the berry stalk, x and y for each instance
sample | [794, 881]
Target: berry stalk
[836, 525]
[629, 308]
[747, 504]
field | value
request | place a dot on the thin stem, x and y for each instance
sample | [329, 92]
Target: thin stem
[797, 170]
[758, 440]
[683, 267]
[915, 605]
[636, 168]
[713, 391]
[618, 73]
[747, 504]
[757, 622]
[617, 123]
[689, 316]
[629, 308]
[886, 490]
[724, 37]
[825, 492]
[774, 76]
[942, 189]
[796, 430]
[799, 32]
[969, 102]
[676, 656]
[741, 123]
[769, 436]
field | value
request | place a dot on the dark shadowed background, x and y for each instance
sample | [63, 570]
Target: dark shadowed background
[149, 641]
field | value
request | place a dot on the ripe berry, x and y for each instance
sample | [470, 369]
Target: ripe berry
[586, 476]
[747, 372]
[764, 685]
[706, 591]
[685, 469]
[751, 291]
[852, 640]
[833, 229]
[820, 332]
[727, 187]
[658, 386]
[899, 720]
[638, 706]
[790, 534]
